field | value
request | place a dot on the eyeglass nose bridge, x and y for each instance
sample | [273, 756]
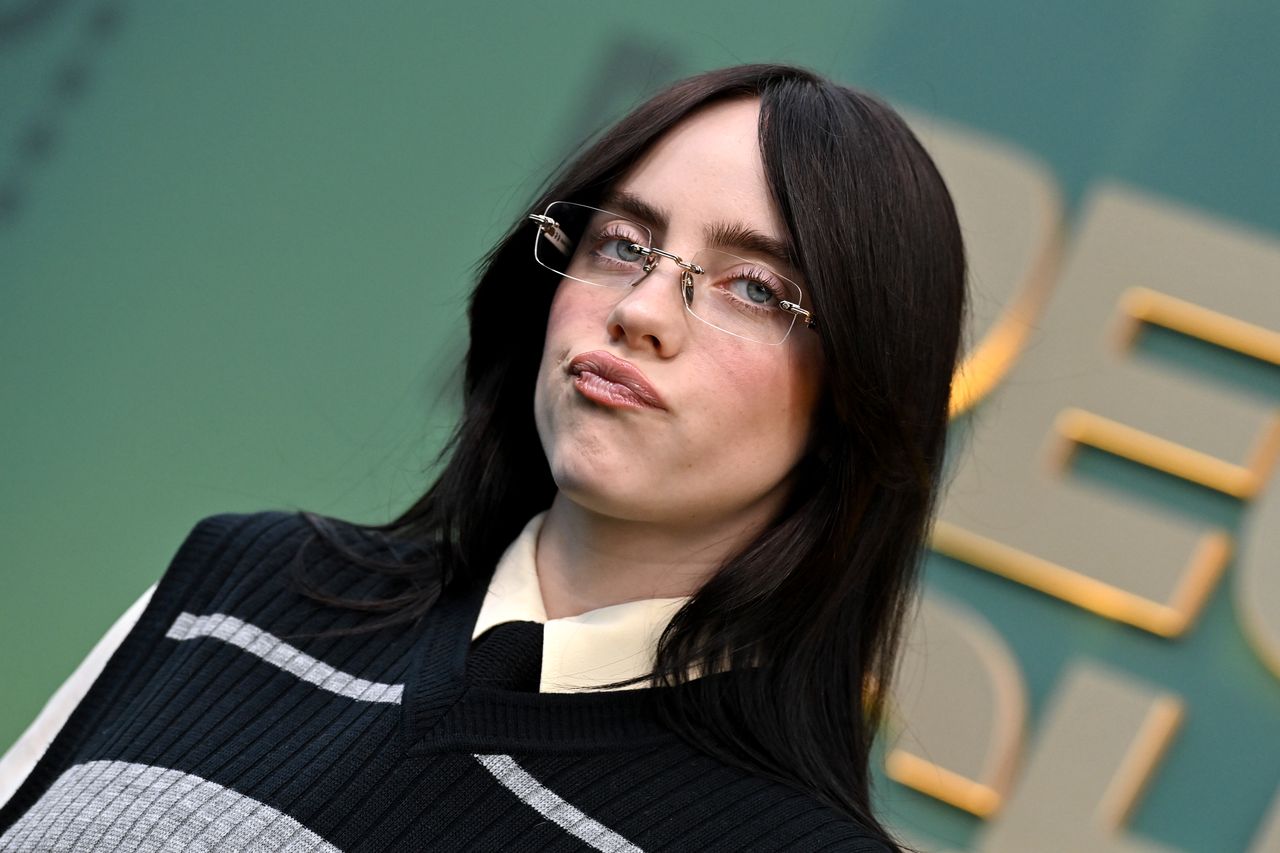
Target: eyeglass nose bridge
[688, 268]
[654, 254]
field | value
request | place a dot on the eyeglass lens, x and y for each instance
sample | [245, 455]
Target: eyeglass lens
[734, 294]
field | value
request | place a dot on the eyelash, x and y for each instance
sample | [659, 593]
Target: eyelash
[613, 233]
[763, 279]
[609, 234]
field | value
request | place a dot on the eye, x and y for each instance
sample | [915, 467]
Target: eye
[753, 290]
[614, 246]
[622, 249]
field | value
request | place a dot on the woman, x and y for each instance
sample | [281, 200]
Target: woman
[653, 597]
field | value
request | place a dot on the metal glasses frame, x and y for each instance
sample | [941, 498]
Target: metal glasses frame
[553, 232]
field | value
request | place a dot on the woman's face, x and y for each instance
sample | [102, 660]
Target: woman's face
[730, 417]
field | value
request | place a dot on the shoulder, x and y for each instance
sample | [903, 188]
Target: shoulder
[225, 557]
[700, 801]
[230, 535]
[272, 539]
[799, 821]
[219, 545]
[235, 537]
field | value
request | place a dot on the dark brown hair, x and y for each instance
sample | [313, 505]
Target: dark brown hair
[815, 605]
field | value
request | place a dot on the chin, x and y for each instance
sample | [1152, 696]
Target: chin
[593, 488]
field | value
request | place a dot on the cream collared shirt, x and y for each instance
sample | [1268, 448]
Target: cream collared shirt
[578, 652]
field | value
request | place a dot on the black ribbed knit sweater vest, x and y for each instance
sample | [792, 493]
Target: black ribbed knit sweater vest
[224, 723]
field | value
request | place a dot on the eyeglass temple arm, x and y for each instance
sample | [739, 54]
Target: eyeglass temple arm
[810, 319]
[553, 232]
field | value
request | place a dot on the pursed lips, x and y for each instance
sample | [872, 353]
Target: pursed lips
[605, 378]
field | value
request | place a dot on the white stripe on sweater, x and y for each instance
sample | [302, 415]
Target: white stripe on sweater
[553, 807]
[122, 805]
[271, 649]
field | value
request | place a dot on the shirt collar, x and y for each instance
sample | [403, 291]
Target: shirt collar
[579, 652]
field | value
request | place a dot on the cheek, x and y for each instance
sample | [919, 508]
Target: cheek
[573, 322]
[773, 378]
[566, 322]
[577, 309]
[765, 400]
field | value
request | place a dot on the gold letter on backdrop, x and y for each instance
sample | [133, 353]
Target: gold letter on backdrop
[1099, 744]
[1010, 209]
[1268, 838]
[1014, 508]
[960, 706]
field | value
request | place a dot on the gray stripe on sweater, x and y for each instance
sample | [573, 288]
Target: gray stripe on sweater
[120, 805]
[271, 649]
[553, 807]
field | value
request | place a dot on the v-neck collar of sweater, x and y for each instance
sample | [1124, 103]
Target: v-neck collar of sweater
[443, 712]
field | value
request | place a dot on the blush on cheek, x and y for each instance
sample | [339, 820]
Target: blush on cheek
[578, 306]
[754, 380]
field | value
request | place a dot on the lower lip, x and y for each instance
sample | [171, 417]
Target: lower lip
[600, 390]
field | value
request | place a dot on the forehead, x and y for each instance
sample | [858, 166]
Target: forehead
[708, 167]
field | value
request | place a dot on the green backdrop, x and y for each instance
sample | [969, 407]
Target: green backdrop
[235, 241]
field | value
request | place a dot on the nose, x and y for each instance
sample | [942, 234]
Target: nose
[652, 315]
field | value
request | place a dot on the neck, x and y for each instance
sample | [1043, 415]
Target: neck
[586, 560]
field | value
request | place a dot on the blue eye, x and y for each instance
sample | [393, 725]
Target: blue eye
[753, 290]
[623, 250]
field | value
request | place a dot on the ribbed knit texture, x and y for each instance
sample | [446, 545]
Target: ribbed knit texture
[223, 723]
[507, 656]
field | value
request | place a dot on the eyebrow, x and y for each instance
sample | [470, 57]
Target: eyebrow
[719, 235]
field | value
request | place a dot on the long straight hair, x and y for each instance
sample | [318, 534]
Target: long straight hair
[813, 607]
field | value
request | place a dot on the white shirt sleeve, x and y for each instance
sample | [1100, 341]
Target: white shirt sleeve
[22, 757]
